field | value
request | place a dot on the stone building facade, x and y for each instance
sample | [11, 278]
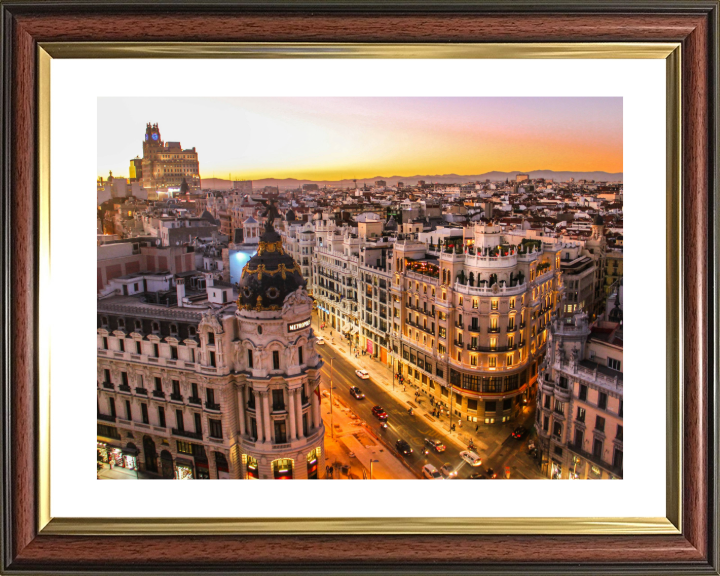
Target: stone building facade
[206, 390]
[580, 400]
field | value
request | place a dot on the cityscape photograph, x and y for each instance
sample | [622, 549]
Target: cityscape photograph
[360, 288]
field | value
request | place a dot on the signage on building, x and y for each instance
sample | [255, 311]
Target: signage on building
[298, 325]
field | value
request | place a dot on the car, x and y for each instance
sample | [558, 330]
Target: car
[490, 473]
[357, 393]
[471, 457]
[435, 444]
[519, 432]
[477, 476]
[379, 413]
[362, 374]
[448, 471]
[431, 473]
[320, 341]
[403, 447]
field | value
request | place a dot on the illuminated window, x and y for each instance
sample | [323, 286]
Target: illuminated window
[493, 304]
[492, 361]
[509, 360]
[473, 360]
[475, 303]
[512, 302]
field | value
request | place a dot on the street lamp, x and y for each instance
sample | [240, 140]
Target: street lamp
[332, 425]
[371, 466]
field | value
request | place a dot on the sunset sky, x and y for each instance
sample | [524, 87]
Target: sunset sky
[335, 138]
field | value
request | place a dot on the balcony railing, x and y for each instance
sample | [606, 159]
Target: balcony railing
[212, 406]
[186, 434]
[106, 417]
[124, 388]
[195, 400]
[495, 330]
[597, 460]
[108, 385]
[140, 390]
[176, 397]
[158, 394]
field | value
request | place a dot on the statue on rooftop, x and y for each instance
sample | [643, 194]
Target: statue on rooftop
[271, 211]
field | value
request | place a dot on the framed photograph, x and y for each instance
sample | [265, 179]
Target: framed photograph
[363, 241]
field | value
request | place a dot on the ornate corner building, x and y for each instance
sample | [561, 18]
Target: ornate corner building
[199, 390]
[470, 319]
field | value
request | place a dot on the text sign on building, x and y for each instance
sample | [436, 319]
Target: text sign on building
[298, 325]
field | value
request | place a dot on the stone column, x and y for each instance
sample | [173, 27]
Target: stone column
[266, 416]
[258, 416]
[291, 413]
[241, 410]
[315, 409]
[298, 415]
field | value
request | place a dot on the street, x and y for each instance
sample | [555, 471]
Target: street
[497, 453]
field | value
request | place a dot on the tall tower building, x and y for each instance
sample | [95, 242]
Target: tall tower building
[167, 163]
[282, 433]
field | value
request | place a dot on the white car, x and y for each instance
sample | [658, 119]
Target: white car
[431, 473]
[362, 374]
[471, 457]
[320, 341]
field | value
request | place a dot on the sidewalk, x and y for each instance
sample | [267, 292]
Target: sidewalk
[353, 446]
[488, 439]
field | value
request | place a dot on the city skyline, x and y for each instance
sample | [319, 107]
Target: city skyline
[345, 138]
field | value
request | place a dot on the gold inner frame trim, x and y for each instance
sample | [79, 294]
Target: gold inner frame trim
[500, 526]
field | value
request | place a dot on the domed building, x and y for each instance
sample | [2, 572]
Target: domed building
[212, 387]
[282, 433]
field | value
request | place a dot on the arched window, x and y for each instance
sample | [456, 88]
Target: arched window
[121, 324]
[138, 325]
[155, 327]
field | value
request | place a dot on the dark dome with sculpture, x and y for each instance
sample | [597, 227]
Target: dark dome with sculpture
[271, 275]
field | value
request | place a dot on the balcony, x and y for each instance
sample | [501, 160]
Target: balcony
[278, 407]
[493, 330]
[108, 385]
[124, 388]
[459, 343]
[511, 328]
[186, 434]
[176, 397]
[212, 406]
[106, 417]
[159, 394]
[195, 400]
[142, 391]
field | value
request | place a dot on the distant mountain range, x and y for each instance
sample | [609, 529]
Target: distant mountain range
[286, 183]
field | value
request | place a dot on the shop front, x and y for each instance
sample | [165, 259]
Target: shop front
[312, 464]
[183, 469]
[251, 468]
[282, 469]
[555, 470]
[114, 455]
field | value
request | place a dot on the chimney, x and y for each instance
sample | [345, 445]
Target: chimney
[180, 286]
[209, 279]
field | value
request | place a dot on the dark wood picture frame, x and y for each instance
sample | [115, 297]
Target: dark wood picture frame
[693, 23]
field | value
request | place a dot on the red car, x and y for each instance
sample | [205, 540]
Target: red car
[519, 432]
[379, 413]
